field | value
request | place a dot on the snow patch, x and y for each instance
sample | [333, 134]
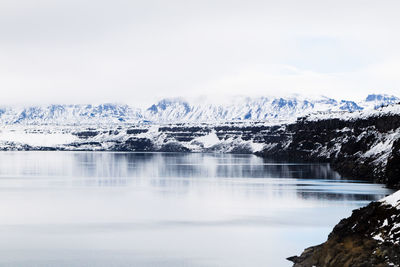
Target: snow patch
[208, 140]
[36, 138]
[393, 199]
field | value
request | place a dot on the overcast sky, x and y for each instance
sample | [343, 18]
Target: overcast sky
[90, 51]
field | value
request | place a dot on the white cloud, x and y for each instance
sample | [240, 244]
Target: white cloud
[135, 51]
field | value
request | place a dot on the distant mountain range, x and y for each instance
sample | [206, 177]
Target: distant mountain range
[179, 110]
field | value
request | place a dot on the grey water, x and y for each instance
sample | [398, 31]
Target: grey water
[167, 209]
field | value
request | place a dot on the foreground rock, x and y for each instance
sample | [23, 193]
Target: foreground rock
[369, 237]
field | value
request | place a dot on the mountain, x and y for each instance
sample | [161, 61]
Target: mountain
[70, 114]
[377, 101]
[257, 109]
[238, 109]
[269, 109]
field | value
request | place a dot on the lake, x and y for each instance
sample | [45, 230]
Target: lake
[167, 209]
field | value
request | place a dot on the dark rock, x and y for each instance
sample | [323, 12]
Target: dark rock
[351, 242]
[86, 134]
[173, 147]
[136, 131]
[340, 142]
[135, 144]
[393, 166]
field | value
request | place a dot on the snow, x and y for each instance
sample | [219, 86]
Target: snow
[393, 200]
[208, 140]
[378, 237]
[269, 108]
[382, 149]
[256, 147]
[350, 116]
[46, 139]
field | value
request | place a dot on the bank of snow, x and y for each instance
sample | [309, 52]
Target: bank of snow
[208, 140]
[34, 137]
[393, 200]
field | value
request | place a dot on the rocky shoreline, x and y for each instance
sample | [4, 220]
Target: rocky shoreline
[369, 237]
[369, 148]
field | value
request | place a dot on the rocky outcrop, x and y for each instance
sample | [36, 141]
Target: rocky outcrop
[393, 166]
[369, 237]
[366, 147]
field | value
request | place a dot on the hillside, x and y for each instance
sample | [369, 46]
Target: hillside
[364, 144]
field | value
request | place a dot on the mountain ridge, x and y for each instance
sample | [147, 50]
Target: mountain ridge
[175, 110]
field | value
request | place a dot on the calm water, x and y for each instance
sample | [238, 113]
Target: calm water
[153, 209]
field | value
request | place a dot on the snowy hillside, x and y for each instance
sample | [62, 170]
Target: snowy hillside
[270, 109]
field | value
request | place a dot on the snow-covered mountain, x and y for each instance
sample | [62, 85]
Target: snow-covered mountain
[243, 108]
[70, 114]
[238, 108]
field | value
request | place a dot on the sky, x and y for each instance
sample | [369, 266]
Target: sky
[128, 51]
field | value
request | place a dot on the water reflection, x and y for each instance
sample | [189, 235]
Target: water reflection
[166, 209]
[179, 171]
[86, 164]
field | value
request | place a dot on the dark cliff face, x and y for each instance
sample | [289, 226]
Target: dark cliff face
[369, 237]
[392, 171]
[364, 148]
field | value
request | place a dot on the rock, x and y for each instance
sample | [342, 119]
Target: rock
[86, 134]
[369, 237]
[365, 148]
[393, 166]
[173, 147]
[135, 144]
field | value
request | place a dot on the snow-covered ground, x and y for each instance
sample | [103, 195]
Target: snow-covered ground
[33, 137]
[194, 138]
[393, 200]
